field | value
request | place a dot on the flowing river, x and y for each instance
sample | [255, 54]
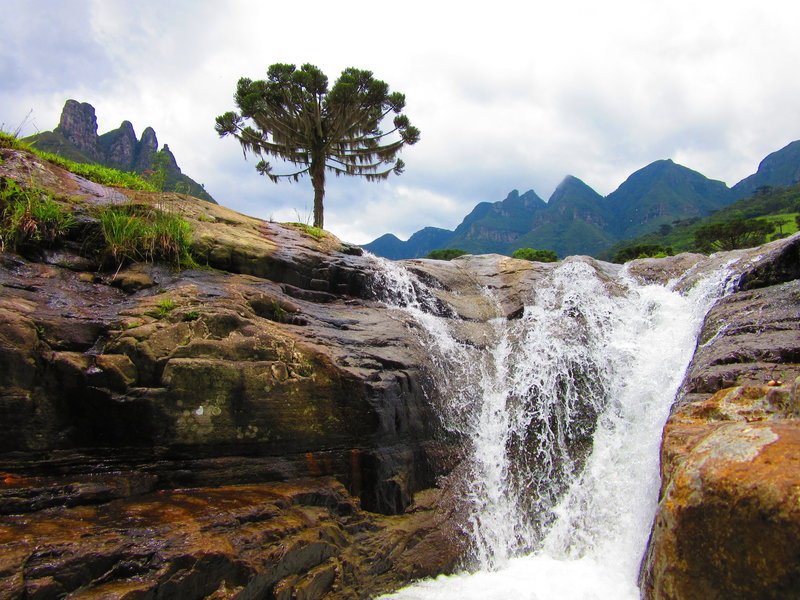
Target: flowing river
[562, 409]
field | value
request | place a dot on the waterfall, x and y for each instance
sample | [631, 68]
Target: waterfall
[562, 411]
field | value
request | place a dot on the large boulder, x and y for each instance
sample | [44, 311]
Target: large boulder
[728, 524]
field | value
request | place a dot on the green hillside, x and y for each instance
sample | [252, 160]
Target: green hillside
[779, 206]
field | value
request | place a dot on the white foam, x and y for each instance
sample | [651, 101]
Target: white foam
[587, 361]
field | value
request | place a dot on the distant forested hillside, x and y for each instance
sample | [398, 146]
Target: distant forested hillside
[657, 202]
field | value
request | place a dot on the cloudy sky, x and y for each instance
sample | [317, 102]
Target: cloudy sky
[505, 97]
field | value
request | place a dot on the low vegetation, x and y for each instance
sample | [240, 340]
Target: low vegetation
[535, 255]
[30, 216]
[308, 229]
[448, 254]
[738, 233]
[771, 213]
[127, 232]
[136, 232]
[162, 309]
[96, 173]
[643, 251]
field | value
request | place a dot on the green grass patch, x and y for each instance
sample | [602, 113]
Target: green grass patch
[134, 232]
[9, 141]
[30, 215]
[96, 173]
[785, 224]
[162, 309]
[309, 229]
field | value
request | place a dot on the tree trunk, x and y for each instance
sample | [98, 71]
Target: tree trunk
[318, 181]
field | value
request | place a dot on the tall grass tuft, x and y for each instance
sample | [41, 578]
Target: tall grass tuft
[138, 232]
[123, 233]
[30, 215]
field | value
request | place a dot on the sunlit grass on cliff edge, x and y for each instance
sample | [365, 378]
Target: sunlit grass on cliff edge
[96, 173]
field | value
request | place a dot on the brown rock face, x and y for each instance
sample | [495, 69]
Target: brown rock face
[300, 539]
[79, 125]
[164, 410]
[728, 521]
[202, 365]
[265, 428]
[122, 147]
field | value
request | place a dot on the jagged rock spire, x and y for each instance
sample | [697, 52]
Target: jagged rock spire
[78, 124]
[122, 147]
[148, 146]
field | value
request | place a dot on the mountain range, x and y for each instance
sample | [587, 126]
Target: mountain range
[578, 220]
[76, 138]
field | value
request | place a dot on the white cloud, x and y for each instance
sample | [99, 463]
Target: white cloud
[504, 99]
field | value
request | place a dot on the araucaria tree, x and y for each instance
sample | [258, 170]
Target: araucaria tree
[293, 115]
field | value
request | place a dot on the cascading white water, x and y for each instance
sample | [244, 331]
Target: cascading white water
[563, 409]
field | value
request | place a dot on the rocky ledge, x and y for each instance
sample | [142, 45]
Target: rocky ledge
[259, 427]
[264, 427]
[728, 519]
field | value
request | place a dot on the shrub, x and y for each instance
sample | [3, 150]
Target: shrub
[737, 233]
[642, 251]
[535, 255]
[447, 254]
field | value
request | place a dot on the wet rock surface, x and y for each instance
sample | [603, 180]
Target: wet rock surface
[264, 427]
[299, 539]
[185, 366]
[728, 523]
[209, 389]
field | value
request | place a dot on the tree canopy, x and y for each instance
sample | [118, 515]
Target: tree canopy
[738, 233]
[293, 115]
[642, 251]
[535, 255]
[446, 254]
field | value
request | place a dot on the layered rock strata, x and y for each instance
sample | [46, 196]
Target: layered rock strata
[265, 428]
[210, 433]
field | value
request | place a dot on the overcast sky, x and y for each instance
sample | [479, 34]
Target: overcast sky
[506, 94]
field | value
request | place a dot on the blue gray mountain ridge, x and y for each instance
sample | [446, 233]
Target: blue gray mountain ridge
[578, 220]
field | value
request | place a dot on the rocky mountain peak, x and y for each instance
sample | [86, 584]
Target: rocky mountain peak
[121, 146]
[76, 138]
[171, 162]
[78, 124]
[148, 146]
[780, 168]
[149, 139]
[569, 187]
